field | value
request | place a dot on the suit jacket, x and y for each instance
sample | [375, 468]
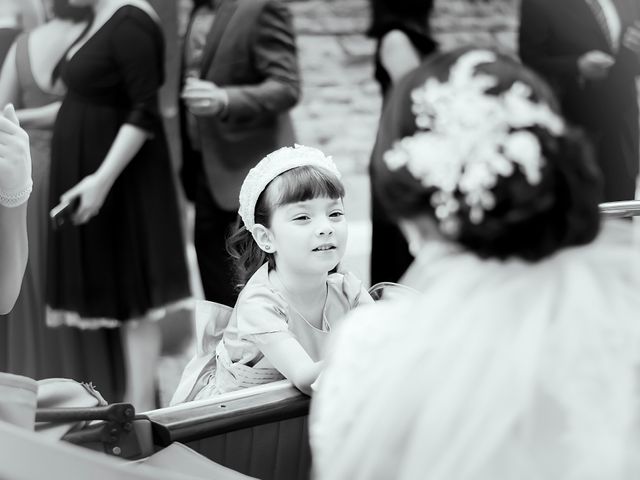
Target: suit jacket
[250, 52]
[554, 34]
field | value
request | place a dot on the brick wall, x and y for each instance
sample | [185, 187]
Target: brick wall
[341, 102]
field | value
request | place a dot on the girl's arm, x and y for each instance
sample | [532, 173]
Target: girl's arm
[398, 55]
[289, 358]
[39, 117]
[93, 189]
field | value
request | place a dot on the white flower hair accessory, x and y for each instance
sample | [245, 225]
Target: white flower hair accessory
[277, 162]
[468, 138]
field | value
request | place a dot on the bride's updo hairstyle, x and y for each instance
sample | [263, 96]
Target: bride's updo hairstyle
[475, 141]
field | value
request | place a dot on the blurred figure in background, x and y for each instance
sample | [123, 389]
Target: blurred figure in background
[30, 348]
[240, 76]
[15, 188]
[401, 29]
[589, 51]
[122, 261]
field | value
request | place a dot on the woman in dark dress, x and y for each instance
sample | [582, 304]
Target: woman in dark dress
[401, 28]
[121, 260]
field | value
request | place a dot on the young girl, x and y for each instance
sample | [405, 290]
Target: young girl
[289, 239]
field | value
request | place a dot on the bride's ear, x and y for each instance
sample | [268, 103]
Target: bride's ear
[264, 238]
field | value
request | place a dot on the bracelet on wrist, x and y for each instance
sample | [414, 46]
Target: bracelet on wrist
[17, 197]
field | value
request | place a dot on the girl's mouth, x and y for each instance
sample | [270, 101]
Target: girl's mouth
[324, 248]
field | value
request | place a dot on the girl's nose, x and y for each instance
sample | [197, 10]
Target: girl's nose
[325, 228]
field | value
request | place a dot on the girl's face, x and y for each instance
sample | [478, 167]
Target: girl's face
[309, 236]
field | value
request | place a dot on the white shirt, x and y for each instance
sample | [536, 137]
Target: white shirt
[613, 21]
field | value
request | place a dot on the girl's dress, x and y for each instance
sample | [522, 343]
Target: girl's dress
[495, 371]
[261, 316]
[128, 262]
[32, 349]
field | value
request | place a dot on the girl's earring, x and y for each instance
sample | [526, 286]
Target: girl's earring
[267, 248]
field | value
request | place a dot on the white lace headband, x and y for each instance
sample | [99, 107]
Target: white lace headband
[467, 138]
[280, 161]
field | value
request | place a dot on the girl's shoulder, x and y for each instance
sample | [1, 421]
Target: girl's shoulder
[259, 293]
[260, 308]
[350, 287]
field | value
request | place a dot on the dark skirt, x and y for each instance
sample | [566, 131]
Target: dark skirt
[129, 260]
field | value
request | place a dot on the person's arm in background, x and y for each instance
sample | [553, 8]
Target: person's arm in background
[15, 185]
[39, 117]
[9, 86]
[398, 55]
[631, 40]
[274, 57]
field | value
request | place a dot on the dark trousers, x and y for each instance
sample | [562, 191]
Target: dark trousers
[617, 151]
[390, 255]
[212, 226]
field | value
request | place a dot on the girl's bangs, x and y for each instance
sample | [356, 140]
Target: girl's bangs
[306, 183]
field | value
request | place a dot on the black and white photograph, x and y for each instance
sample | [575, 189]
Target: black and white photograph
[320, 239]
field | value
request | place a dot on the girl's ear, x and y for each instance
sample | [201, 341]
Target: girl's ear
[263, 237]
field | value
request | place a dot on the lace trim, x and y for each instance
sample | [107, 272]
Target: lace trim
[58, 318]
[14, 199]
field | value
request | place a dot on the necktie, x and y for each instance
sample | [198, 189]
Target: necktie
[598, 12]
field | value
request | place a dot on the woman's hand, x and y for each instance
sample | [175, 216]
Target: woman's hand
[91, 192]
[631, 38]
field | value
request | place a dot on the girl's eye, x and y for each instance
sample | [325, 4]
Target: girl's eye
[300, 218]
[336, 214]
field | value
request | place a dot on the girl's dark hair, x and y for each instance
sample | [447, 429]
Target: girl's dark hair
[295, 185]
[63, 9]
[528, 221]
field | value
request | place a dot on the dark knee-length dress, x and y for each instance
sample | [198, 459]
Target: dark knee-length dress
[127, 262]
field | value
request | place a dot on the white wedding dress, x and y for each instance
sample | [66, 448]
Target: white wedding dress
[496, 371]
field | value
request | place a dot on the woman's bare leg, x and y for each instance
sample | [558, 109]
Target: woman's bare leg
[141, 343]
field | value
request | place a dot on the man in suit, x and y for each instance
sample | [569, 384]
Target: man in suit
[241, 79]
[589, 51]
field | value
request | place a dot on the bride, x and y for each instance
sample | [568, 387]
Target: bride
[519, 357]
